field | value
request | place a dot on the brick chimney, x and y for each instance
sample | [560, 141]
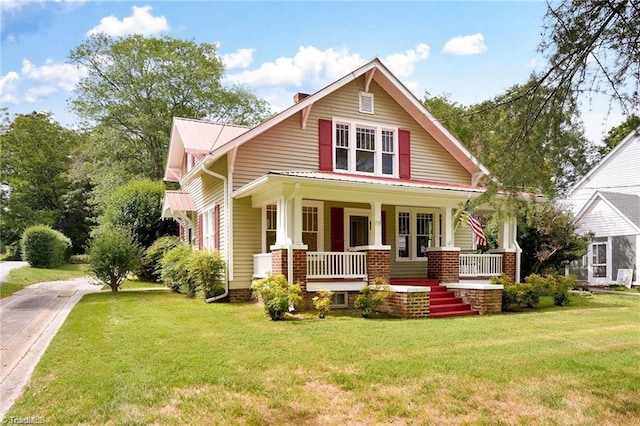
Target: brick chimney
[298, 97]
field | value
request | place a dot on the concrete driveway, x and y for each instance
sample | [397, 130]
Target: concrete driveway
[28, 321]
[6, 267]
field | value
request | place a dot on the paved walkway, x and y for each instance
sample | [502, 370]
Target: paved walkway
[28, 321]
[5, 267]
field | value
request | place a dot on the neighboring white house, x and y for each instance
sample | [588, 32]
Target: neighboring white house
[607, 202]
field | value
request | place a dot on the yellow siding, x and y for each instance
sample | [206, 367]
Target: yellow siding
[463, 237]
[247, 241]
[289, 147]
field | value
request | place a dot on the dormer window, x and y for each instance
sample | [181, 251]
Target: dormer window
[367, 148]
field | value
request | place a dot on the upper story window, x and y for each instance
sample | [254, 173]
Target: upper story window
[368, 148]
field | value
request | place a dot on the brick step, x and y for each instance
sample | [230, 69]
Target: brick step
[435, 301]
[449, 314]
[452, 307]
[441, 294]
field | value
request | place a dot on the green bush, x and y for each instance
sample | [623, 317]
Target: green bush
[137, 206]
[372, 296]
[206, 270]
[277, 295]
[113, 254]
[150, 265]
[174, 272]
[44, 247]
[322, 302]
[528, 294]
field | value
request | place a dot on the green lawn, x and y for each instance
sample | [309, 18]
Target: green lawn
[158, 358]
[23, 277]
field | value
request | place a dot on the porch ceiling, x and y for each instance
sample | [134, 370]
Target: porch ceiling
[330, 186]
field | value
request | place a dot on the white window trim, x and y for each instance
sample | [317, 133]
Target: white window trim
[305, 203]
[208, 228]
[347, 231]
[351, 155]
[609, 264]
[413, 249]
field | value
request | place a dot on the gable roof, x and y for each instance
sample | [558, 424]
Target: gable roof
[627, 206]
[373, 70]
[606, 159]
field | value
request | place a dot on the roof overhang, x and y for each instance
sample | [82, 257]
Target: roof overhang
[326, 186]
[177, 204]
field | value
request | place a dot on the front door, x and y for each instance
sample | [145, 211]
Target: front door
[599, 265]
[357, 227]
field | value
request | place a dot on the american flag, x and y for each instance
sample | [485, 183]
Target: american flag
[476, 227]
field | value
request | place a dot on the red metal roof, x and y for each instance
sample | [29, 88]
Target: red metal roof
[179, 201]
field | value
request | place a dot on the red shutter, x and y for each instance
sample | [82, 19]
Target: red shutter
[404, 151]
[216, 227]
[384, 226]
[181, 233]
[337, 229]
[200, 245]
[325, 148]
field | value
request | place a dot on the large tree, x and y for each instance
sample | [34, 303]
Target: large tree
[548, 158]
[134, 86]
[592, 49]
[618, 133]
[36, 189]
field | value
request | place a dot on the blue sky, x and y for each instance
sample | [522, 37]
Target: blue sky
[469, 50]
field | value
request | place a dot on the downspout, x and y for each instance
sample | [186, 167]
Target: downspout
[226, 252]
[518, 254]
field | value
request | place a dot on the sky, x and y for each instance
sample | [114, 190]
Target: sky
[470, 51]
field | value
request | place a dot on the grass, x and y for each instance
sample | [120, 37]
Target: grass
[159, 358]
[135, 283]
[23, 277]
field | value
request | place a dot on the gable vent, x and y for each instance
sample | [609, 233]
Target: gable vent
[366, 102]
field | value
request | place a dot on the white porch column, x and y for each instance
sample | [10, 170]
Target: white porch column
[375, 234]
[296, 216]
[282, 218]
[448, 228]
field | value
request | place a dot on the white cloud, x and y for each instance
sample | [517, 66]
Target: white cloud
[241, 58]
[465, 45]
[309, 65]
[403, 64]
[36, 82]
[141, 21]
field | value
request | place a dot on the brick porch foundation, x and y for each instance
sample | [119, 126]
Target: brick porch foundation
[484, 298]
[443, 265]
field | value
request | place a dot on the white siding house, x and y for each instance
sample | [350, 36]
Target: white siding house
[607, 202]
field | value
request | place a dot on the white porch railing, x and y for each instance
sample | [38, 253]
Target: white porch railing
[336, 265]
[261, 265]
[480, 265]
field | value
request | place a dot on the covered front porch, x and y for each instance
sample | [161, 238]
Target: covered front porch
[340, 233]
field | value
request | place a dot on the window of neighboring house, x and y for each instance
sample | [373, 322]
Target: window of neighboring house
[599, 260]
[340, 299]
[367, 148]
[415, 225]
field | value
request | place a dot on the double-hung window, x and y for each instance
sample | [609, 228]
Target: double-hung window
[365, 148]
[210, 228]
[416, 232]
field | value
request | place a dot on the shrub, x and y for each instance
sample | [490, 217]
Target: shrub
[44, 247]
[113, 254]
[80, 259]
[372, 296]
[528, 294]
[277, 295]
[322, 302]
[151, 266]
[560, 292]
[206, 270]
[174, 270]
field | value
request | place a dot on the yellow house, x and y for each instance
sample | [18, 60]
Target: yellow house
[353, 182]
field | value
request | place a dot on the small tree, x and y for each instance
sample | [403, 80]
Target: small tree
[322, 302]
[112, 255]
[206, 269]
[277, 295]
[174, 272]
